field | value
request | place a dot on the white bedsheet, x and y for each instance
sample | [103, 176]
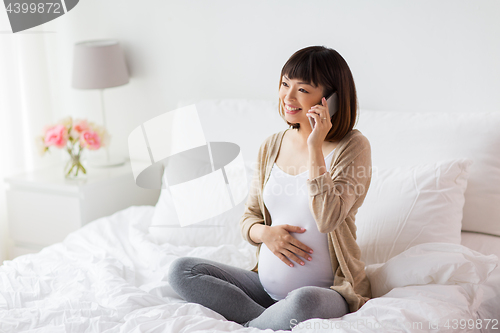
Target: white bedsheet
[110, 276]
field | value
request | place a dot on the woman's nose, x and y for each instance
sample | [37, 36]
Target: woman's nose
[289, 97]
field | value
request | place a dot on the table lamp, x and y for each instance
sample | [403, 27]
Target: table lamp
[100, 64]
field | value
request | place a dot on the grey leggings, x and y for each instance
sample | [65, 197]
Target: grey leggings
[238, 295]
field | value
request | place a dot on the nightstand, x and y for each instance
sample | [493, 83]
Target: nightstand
[43, 207]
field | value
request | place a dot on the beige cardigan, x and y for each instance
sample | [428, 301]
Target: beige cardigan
[335, 197]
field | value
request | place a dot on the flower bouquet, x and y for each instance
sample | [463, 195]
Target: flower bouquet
[74, 137]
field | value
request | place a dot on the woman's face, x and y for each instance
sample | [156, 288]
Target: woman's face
[297, 98]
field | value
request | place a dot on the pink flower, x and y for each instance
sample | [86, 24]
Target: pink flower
[90, 139]
[80, 126]
[56, 136]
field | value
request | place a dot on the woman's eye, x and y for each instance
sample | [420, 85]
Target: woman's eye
[301, 89]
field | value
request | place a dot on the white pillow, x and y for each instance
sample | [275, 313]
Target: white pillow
[411, 205]
[215, 231]
[432, 263]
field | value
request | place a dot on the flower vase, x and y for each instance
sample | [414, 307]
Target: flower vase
[74, 168]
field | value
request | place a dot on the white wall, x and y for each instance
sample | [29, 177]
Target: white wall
[405, 55]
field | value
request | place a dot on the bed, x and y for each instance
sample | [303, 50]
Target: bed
[429, 231]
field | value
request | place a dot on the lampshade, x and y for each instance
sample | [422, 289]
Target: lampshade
[99, 64]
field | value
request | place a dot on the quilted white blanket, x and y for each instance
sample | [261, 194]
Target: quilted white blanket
[110, 276]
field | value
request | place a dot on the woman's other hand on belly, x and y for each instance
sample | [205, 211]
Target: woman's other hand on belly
[283, 245]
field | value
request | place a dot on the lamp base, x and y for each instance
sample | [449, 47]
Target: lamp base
[112, 161]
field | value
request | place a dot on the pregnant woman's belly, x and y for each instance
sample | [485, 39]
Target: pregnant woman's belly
[287, 200]
[278, 279]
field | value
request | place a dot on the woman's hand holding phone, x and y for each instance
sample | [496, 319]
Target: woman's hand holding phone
[322, 126]
[285, 246]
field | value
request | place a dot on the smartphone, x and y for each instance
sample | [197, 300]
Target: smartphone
[333, 107]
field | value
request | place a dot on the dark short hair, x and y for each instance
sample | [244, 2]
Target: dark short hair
[320, 65]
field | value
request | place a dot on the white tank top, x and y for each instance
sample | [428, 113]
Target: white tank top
[287, 200]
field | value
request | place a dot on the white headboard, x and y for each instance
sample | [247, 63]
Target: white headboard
[408, 138]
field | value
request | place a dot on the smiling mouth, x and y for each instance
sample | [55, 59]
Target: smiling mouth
[287, 108]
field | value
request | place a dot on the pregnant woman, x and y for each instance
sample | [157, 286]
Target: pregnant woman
[300, 212]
